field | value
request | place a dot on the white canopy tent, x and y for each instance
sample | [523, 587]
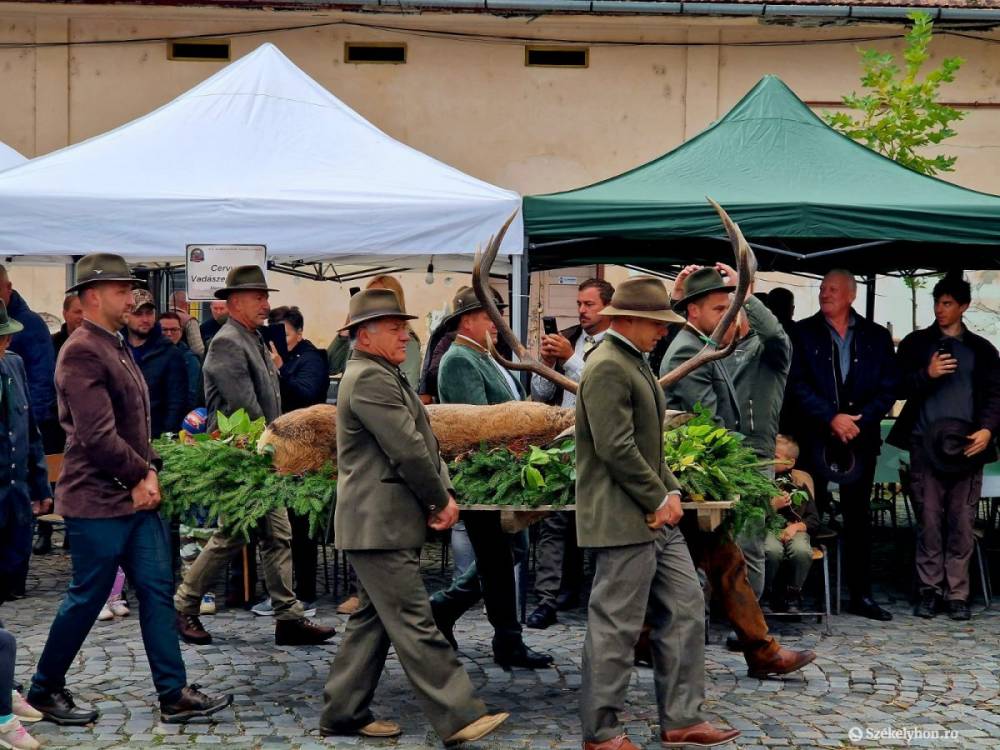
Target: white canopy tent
[259, 153]
[9, 158]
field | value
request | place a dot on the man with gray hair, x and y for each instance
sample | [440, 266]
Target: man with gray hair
[843, 382]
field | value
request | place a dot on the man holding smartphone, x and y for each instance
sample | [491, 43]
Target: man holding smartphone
[557, 583]
[951, 382]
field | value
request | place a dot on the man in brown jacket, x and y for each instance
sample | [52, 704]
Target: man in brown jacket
[627, 509]
[108, 493]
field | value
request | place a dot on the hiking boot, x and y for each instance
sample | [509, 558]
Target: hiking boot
[59, 708]
[192, 704]
[190, 629]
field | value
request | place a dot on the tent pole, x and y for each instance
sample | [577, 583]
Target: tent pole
[870, 297]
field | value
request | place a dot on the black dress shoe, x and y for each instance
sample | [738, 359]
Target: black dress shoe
[520, 655]
[543, 617]
[567, 601]
[927, 606]
[867, 607]
[43, 545]
[959, 610]
[192, 704]
[59, 708]
[444, 624]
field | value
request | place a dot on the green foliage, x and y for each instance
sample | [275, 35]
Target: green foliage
[223, 480]
[499, 477]
[900, 114]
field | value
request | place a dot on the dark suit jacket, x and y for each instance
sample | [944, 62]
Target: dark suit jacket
[620, 472]
[870, 389]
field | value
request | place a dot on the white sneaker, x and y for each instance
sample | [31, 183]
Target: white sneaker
[119, 608]
[207, 606]
[106, 614]
[16, 737]
[309, 609]
[24, 710]
[263, 609]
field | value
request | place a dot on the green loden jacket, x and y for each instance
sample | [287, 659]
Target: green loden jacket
[467, 375]
[710, 385]
[390, 475]
[620, 473]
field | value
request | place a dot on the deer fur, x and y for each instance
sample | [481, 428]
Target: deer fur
[306, 439]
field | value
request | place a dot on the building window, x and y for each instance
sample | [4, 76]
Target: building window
[557, 57]
[375, 52]
[199, 49]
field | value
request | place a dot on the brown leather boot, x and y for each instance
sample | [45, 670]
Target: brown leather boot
[783, 661]
[702, 734]
[302, 632]
[190, 630]
[621, 742]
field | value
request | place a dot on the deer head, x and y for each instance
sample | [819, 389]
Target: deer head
[746, 267]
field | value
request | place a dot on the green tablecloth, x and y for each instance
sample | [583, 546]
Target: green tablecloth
[887, 469]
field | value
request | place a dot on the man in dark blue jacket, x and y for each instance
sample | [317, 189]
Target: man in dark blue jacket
[34, 346]
[843, 381]
[162, 365]
[24, 487]
[950, 375]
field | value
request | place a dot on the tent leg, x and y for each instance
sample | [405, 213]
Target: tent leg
[870, 297]
[519, 303]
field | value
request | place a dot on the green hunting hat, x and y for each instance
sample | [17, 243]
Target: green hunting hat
[244, 279]
[642, 297]
[703, 281]
[465, 300]
[372, 304]
[97, 267]
[8, 325]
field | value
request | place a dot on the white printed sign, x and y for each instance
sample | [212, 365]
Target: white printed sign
[208, 265]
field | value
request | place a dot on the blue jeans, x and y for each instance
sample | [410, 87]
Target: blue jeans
[98, 546]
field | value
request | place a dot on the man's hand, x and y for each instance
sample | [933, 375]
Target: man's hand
[730, 276]
[978, 442]
[669, 514]
[942, 363]
[781, 501]
[41, 507]
[446, 517]
[677, 293]
[146, 494]
[555, 346]
[788, 533]
[275, 357]
[845, 427]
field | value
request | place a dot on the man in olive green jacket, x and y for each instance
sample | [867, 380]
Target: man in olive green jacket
[628, 506]
[392, 485]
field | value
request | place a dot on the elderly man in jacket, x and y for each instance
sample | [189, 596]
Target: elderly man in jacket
[24, 488]
[108, 493]
[843, 381]
[393, 485]
[469, 375]
[239, 374]
[628, 508]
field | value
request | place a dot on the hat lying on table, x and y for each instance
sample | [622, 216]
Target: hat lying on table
[98, 267]
[8, 325]
[701, 282]
[244, 279]
[945, 442]
[642, 297]
[372, 304]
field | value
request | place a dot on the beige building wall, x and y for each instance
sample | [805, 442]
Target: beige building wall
[472, 104]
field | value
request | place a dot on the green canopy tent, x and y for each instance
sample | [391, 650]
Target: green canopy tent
[806, 197]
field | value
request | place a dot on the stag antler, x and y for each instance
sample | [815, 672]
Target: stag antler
[746, 267]
[480, 283]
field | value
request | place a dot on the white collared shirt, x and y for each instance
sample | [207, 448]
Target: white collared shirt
[542, 389]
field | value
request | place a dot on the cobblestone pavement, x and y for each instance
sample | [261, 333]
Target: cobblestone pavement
[908, 675]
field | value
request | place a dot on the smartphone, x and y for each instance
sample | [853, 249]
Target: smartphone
[945, 346]
[354, 290]
[549, 325]
[274, 333]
